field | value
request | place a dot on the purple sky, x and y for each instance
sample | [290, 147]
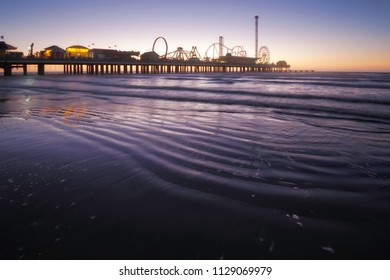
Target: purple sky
[320, 35]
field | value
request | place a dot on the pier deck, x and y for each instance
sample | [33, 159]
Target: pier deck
[81, 66]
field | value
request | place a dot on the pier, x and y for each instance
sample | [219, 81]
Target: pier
[96, 67]
[78, 59]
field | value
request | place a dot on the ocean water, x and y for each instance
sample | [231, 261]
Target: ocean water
[197, 166]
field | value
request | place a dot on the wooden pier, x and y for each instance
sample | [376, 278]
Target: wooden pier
[95, 67]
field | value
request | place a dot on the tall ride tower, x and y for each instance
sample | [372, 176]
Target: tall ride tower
[221, 42]
[257, 38]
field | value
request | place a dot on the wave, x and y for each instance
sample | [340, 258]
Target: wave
[365, 107]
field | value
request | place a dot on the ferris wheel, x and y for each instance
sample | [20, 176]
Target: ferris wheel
[264, 55]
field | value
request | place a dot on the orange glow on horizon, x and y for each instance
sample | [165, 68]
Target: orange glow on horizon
[379, 64]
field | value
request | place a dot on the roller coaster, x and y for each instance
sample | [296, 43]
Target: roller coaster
[217, 50]
[214, 53]
[183, 55]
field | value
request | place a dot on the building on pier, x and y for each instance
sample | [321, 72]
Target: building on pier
[128, 55]
[54, 52]
[102, 54]
[282, 66]
[151, 56]
[230, 59]
[77, 51]
[5, 49]
[110, 54]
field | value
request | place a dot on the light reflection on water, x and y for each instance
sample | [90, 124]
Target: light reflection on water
[194, 166]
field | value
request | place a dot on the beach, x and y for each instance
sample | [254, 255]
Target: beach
[195, 166]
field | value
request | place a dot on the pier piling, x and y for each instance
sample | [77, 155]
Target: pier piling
[41, 69]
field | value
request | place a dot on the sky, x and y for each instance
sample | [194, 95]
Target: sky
[331, 35]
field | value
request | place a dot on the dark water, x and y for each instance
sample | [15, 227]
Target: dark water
[249, 166]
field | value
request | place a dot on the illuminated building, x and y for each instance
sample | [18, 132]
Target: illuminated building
[54, 52]
[77, 51]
